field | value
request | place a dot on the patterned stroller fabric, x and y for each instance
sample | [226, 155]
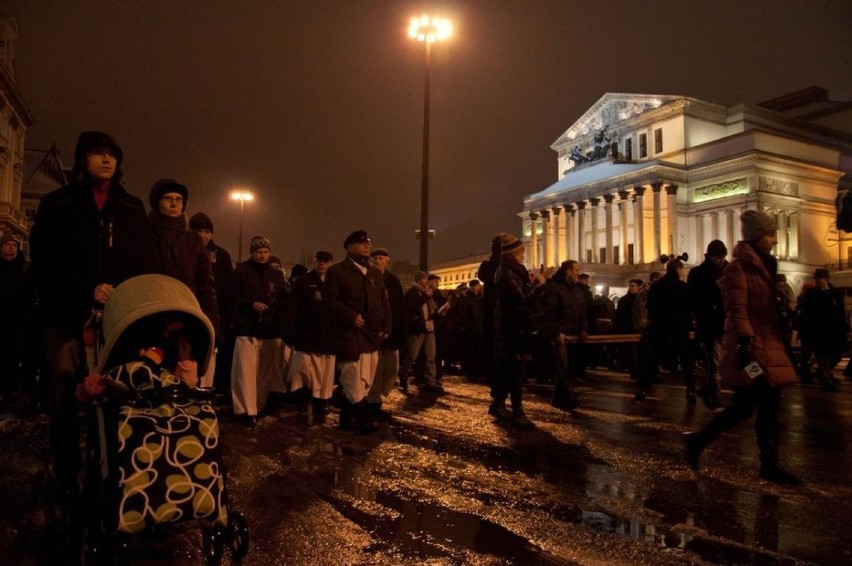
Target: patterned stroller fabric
[168, 457]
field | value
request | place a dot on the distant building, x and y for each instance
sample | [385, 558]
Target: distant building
[15, 118]
[644, 175]
[455, 272]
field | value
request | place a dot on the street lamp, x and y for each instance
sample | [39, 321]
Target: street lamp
[428, 30]
[242, 196]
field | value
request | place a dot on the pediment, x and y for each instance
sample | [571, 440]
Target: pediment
[610, 109]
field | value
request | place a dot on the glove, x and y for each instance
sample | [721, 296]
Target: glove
[744, 352]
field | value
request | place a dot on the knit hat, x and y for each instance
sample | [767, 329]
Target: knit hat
[755, 224]
[274, 259]
[509, 243]
[7, 237]
[200, 221]
[356, 237]
[717, 248]
[258, 242]
[86, 142]
[420, 275]
[323, 255]
[380, 251]
[163, 186]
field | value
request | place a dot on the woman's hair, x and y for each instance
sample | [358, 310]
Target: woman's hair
[673, 265]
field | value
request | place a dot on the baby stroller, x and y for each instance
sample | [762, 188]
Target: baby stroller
[153, 457]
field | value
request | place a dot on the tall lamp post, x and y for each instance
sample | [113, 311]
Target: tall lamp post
[242, 196]
[428, 30]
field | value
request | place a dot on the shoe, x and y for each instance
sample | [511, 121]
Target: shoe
[403, 384]
[379, 414]
[498, 411]
[776, 474]
[640, 396]
[692, 450]
[567, 404]
[434, 388]
[250, 421]
[521, 422]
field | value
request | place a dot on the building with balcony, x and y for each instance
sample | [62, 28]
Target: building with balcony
[641, 175]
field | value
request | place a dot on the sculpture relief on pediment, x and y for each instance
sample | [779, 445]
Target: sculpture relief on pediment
[720, 190]
[778, 186]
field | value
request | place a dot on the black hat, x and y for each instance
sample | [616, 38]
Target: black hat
[163, 186]
[355, 237]
[200, 221]
[717, 248]
[821, 273]
[86, 142]
[324, 256]
[380, 251]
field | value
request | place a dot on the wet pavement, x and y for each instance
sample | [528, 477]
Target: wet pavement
[444, 484]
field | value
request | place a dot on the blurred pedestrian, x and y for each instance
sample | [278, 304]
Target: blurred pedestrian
[485, 273]
[420, 309]
[754, 357]
[823, 325]
[12, 266]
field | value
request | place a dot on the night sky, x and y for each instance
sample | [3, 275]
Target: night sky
[318, 106]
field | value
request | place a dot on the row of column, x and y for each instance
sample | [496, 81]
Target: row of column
[724, 225]
[573, 245]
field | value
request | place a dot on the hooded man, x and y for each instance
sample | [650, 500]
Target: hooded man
[87, 237]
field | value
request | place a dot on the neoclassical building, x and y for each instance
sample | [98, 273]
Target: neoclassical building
[640, 176]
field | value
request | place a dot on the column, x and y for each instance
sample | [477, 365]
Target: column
[700, 241]
[569, 233]
[730, 230]
[671, 205]
[658, 228]
[625, 235]
[557, 241]
[610, 257]
[546, 252]
[639, 225]
[783, 236]
[793, 222]
[595, 221]
[533, 255]
[581, 231]
[714, 226]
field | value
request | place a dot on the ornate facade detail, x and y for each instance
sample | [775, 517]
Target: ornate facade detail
[777, 186]
[726, 189]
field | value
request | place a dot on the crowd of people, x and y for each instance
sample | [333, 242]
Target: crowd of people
[350, 327]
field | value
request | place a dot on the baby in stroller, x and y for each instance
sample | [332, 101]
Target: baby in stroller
[153, 456]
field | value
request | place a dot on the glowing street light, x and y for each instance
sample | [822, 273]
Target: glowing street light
[428, 30]
[243, 196]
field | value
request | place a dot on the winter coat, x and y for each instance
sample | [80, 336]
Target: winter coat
[668, 306]
[822, 321]
[512, 320]
[705, 299]
[751, 309]
[180, 254]
[592, 320]
[223, 275]
[420, 309]
[560, 308]
[262, 283]
[314, 327]
[623, 322]
[399, 318]
[350, 292]
[74, 247]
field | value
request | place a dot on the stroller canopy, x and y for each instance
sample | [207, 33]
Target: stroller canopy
[147, 295]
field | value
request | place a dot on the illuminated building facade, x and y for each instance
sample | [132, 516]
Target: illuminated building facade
[644, 175]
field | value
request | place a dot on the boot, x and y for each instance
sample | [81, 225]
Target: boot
[366, 424]
[693, 445]
[497, 409]
[520, 420]
[346, 414]
[378, 414]
[320, 410]
[774, 473]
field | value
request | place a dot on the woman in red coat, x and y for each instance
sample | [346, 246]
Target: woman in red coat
[754, 355]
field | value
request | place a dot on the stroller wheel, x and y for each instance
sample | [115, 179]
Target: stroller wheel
[214, 544]
[238, 535]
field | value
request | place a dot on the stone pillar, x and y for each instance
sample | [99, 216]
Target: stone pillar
[715, 234]
[546, 252]
[639, 225]
[700, 236]
[784, 234]
[581, 231]
[671, 206]
[624, 245]
[595, 201]
[610, 251]
[793, 246]
[557, 241]
[533, 255]
[730, 230]
[658, 220]
[570, 240]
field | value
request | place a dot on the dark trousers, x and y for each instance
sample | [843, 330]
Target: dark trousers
[654, 348]
[761, 397]
[568, 368]
[509, 379]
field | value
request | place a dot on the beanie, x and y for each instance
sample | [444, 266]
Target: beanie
[420, 275]
[86, 142]
[200, 221]
[509, 243]
[163, 186]
[755, 224]
[258, 242]
[717, 248]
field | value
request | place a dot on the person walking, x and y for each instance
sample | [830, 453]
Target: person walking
[754, 357]
[822, 324]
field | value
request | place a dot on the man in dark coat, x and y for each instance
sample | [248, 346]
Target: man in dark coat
[822, 324]
[485, 273]
[705, 298]
[312, 367]
[421, 313]
[356, 294]
[388, 369]
[223, 275]
[12, 265]
[87, 237]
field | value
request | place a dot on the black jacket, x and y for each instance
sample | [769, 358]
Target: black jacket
[314, 327]
[705, 298]
[350, 293]
[512, 317]
[223, 275]
[399, 318]
[668, 306]
[74, 247]
[560, 308]
[420, 308]
[258, 282]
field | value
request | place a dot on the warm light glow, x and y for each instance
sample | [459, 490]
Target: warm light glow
[430, 29]
[243, 195]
